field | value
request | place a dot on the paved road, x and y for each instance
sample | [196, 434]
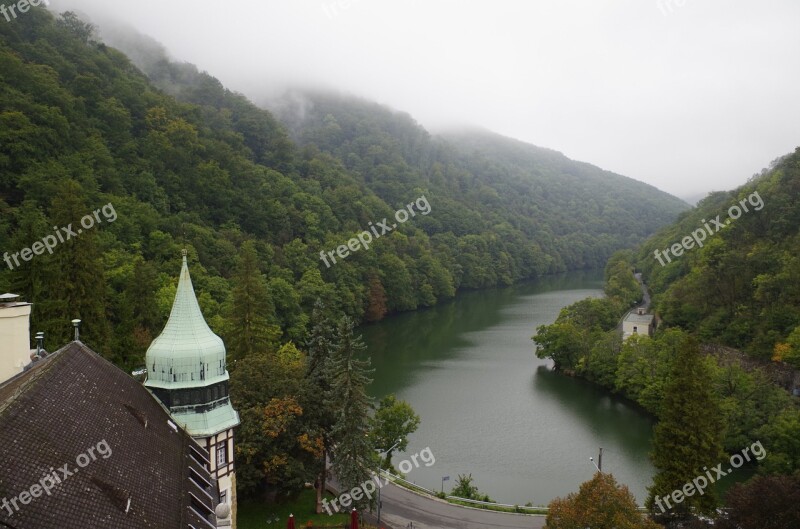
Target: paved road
[645, 294]
[401, 506]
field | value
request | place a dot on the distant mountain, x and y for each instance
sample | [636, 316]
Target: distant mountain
[575, 212]
[187, 163]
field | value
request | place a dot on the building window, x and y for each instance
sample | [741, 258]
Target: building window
[635, 328]
[222, 454]
[223, 497]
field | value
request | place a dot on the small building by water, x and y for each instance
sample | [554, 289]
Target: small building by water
[637, 322]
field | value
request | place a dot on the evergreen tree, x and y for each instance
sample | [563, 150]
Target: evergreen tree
[321, 412]
[77, 286]
[140, 310]
[252, 315]
[29, 278]
[688, 436]
[353, 456]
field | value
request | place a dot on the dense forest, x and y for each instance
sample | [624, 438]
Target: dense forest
[728, 335]
[742, 287]
[186, 163]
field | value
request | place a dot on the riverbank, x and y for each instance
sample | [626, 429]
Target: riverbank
[526, 436]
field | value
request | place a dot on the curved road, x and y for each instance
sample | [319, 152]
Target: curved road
[401, 506]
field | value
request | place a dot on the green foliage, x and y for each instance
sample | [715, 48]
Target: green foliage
[393, 422]
[252, 314]
[621, 285]
[189, 164]
[643, 366]
[742, 288]
[688, 436]
[781, 438]
[570, 340]
[275, 447]
[352, 455]
[465, 488]
[749, 401]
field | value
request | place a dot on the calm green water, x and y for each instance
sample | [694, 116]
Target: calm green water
[491, 408]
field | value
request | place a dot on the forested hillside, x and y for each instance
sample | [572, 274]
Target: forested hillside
[574, 212]
[186, 163]
[742, 287]
[726, 273]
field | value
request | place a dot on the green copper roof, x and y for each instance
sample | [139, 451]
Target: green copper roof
[207, 423]
[187, 353]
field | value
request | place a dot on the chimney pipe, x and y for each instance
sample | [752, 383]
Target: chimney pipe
[39, 343]
[77, 324]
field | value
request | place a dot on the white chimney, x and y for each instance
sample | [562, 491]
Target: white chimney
[15, 325]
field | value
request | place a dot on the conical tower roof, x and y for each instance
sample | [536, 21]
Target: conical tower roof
[187, 353]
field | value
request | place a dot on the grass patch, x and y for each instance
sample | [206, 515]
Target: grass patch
[254, 514]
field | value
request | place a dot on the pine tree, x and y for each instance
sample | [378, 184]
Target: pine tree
[31, 277]
[688, 436]
[138, 313]
[77, 286]
[252, 316]
[319, 376]
[353, 456]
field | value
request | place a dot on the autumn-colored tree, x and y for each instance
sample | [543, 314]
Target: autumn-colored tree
[789, 351]
[275, 446]
[376, 302]
[601, 503]
[766, 502]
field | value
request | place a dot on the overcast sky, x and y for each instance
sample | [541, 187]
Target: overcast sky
[687, 95]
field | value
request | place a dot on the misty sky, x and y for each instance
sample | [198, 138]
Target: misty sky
[687, 95]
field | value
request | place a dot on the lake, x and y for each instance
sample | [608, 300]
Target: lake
[489, 407]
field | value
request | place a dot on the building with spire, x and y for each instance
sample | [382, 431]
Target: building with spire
[116, 457]
[187, 372]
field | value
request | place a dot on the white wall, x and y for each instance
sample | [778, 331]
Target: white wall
[15, 348]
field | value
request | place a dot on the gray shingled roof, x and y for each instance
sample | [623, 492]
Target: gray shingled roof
[639, 318]
[71, 401]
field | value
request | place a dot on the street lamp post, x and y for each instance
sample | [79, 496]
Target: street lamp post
[599, 464]
[379, 476]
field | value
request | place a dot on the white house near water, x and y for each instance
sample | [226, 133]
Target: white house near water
[637, 323]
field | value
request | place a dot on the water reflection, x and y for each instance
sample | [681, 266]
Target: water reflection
[490, 407]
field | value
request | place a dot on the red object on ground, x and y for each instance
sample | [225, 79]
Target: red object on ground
[290, 523]
[354, 519]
